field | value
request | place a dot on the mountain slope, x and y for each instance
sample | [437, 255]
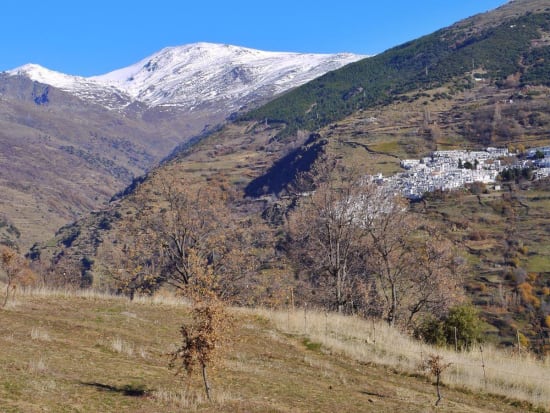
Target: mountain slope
[495, 105]
[494, 49]
[89, 353]
[69, 143]
[454, 83]
[62, 157]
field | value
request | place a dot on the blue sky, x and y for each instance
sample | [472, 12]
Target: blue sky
[94, 37]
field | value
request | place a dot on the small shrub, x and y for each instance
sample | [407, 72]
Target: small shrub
[523, 340]
[312, 345]
[478, 235]
[435, 366]
[477, 188]
[461, 328]
[527, 295]
[123, 347]
[16, 270]
[467, 323]
[70, 237]
[39, 334]
[37, 366]
[104, 224]
[201, 340]
[431, 330]
[514, 262]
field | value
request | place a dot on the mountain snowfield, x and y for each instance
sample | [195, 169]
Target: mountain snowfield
[193, 75]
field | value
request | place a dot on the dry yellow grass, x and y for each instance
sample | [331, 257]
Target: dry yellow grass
[483, 369]
[67, 351]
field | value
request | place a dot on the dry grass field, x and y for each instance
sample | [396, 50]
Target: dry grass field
[87, 352]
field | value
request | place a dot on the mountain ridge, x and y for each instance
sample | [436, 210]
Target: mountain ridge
[190, 75]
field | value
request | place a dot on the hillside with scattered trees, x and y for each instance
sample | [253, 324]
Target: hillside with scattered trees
[278, 209]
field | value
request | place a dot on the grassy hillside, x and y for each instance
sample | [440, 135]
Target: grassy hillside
[86, 352]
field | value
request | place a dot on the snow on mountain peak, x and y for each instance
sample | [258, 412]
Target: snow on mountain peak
[198, 73]
[41, 74]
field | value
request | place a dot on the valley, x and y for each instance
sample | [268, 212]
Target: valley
[70, 143]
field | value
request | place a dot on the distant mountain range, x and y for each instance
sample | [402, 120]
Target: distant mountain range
[68, 143]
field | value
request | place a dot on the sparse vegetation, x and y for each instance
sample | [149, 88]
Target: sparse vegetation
[16, 270]
[202, 339]
[460, 328]
[373, 342]
[266, 368]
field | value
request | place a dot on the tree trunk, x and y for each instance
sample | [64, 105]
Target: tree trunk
[438, 391]
[7, 294]
[393, 306]
[206, 384]
[339, 294]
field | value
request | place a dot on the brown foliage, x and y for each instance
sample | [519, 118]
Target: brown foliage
[17, 271]
[478, 235]
[436, 278]
[327, 238]
[413, 265]
[528, 296]
[202, 339]
[183, 234]
[435, 366]
[364, 251]
[131, 270]
[63, 273]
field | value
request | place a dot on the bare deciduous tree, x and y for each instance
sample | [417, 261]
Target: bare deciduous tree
[327, 239]
[413, 265]
[360, 238]
[390, 258]
[200, 239]
[183, 234]
[437, 277]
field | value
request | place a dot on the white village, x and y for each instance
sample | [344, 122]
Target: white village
[453, 169]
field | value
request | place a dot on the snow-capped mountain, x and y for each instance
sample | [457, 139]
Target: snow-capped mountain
[193, 75]
[85, 88]
[75, 141]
